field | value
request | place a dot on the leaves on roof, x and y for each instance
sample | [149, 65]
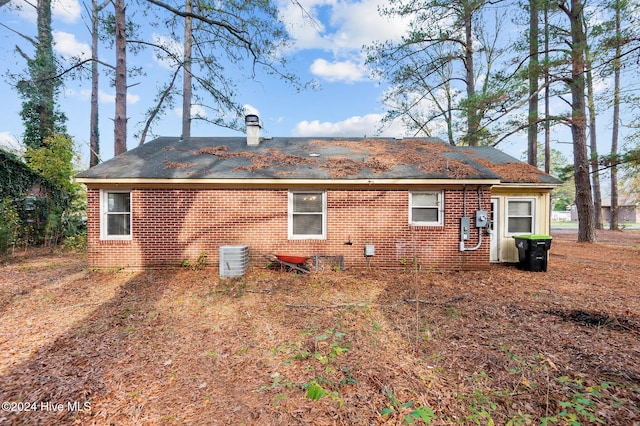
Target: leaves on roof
[221, 151]
[274, 157]
[269, 158]
[177, 165]
[513, 172]
[348, 158]
[380, 156]
[342, 167]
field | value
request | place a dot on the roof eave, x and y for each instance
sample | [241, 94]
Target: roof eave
[279, 182]
[532, 185]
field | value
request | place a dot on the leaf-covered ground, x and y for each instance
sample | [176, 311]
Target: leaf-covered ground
[351, 347]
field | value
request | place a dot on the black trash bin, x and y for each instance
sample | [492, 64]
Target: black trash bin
[532, 251]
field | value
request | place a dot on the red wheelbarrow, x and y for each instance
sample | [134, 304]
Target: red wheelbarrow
[290, 262]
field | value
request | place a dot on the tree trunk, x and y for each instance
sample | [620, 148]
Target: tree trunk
[120, 119]
[45, 71]
[473, 121]
[584, 200]
[532, 130]
[186, 79]
[547, 94]
[94, 132]
[593, 139]
[613, 220]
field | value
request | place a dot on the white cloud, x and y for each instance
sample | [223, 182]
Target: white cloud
[360, 23]
[82, 94]
[347, 25]
[250, 109]
[132, 99]
[7, 140]
[346, 71]
[67, 45]
[197, 111]
[107, 98]
[355, 126]
[172, 51]
[68, 11]
[103, 97]
[601, 83]
[341, 28]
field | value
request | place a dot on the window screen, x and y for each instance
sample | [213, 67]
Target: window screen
[426, 208]
[117, 214]
[307, 214]
[520, 216]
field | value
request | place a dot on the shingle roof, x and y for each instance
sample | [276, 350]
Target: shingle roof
[313, 158]
[624, 200]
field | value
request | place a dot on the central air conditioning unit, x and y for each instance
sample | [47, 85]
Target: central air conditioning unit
[234, 261]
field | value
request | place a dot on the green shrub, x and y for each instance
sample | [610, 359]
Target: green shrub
[76, 242]
[9, 225]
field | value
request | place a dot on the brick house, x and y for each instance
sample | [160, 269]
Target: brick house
[628, 208]
[171, 200]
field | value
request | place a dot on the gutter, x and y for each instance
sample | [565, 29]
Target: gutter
[249, 182]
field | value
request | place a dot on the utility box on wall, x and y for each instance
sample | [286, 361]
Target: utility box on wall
[465, 228]
[369, 250]
[482, 219]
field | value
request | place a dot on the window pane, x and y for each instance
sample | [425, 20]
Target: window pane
[118, 224]
[520, 208]
[119, 202]
[424, 215]
[307, 202]
[520, 225]
[307, 224]
[424, 199]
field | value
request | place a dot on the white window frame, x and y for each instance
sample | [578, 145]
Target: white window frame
[507, 216]
[323, 235]
[104, 213]
[439, 207]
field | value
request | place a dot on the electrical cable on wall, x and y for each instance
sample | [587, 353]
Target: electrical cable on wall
[481, 220]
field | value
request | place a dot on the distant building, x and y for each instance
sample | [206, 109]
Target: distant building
[561, 216]
[628, 208]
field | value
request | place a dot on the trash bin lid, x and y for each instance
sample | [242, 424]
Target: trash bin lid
[534, 237]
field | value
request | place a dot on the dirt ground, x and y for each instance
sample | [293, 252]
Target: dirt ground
[502, 346]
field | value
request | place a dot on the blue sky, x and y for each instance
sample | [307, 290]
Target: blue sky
[347, 102]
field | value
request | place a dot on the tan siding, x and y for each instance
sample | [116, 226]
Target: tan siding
[508, 251]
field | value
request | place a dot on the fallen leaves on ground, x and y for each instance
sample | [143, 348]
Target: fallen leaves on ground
[351, 347]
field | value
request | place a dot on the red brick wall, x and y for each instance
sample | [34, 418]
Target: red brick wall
[170, 225]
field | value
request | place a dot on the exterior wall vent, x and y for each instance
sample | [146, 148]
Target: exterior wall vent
[233, 261]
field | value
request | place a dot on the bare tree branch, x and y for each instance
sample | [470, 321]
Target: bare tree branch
[29, 39]
[240, 35]
[155, 110]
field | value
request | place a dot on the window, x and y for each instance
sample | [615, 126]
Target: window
[426, 208]
[520, 212]
[307, 215]
[116, 215]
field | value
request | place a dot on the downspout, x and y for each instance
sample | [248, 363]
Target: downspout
[464, 214]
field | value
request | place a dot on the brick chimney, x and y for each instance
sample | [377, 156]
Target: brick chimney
[252, 122]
